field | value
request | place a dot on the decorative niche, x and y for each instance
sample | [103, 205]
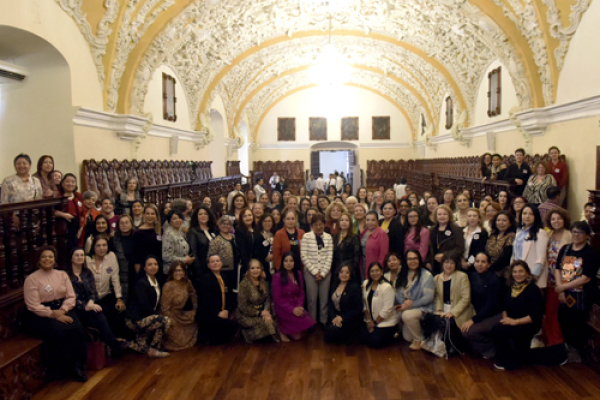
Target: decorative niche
[449, 113]
[495, 92]
[169, 98]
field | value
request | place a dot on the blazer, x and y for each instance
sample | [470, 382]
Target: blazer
[143, 300]
[281, 244]
[453, 245]
[516, 172]
[199, 249]
[460, 296]
[244, 241]
[347, 251]
[314, 260]
[382, 304]
[395, 233]
[210, 299]
[351, 305]
[378, 245]
[477, 245]
[535, 255]
[260, 251]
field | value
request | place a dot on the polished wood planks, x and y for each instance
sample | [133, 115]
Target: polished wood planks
[310, 370]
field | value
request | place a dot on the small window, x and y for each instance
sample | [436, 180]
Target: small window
[423, 125]
[169, 98]
[494, 93]
[449, 113]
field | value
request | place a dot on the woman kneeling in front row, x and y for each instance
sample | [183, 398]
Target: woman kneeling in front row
[380, 316]
[143, 316]
[345, 307]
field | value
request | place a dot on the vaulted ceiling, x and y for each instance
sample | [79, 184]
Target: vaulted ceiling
[253, 53]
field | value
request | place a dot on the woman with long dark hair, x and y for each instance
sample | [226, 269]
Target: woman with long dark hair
[531, 244]
[263, 245]
[203, 229]
[345, 307]
[417, 236]
[414, 296]
[499, 245]
[380, 316]
[288, 299]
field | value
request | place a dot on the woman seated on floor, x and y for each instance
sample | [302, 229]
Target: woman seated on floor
[254, 310]
[345, 307]
[143, 316]
[179, 303]
[214, 305]
[380, 317]
[288, 299]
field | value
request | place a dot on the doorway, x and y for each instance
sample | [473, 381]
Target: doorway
[329, 157]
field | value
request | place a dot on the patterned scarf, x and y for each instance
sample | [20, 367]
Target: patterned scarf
[517, 288]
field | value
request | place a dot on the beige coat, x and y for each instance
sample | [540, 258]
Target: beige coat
[536, 252]
[460, 296]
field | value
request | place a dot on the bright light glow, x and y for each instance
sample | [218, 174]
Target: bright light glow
[330, 70]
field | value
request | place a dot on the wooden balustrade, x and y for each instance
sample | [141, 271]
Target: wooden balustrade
[291, 171]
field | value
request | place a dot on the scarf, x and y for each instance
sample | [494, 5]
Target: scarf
[517, 288]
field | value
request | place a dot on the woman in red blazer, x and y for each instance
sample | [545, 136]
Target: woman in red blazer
[287, 238]
[374, 243]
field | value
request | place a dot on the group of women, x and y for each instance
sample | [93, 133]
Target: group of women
[274, 266]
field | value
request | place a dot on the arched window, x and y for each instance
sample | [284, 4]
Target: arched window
[169, 98]
[423, 124]
[494, 92]
[449, 113]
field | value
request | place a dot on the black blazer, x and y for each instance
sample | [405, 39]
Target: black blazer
[351, 305]
[452, 244]
[142, 300]
[349, 250]
[244, 241]
[477, 245]
[261, 252]
[210, 300]
[199, 249]
[396, 234]
[514, 172]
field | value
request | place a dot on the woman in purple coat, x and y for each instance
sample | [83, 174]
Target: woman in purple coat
[288, 299]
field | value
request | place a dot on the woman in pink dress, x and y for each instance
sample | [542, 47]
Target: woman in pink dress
[288, 299]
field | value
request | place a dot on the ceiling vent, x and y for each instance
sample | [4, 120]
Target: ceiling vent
[10, 73]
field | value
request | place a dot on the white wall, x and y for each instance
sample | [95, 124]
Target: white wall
[345, 101]
[579, 77]
[35, 114]
[154, 100]
[509, 97]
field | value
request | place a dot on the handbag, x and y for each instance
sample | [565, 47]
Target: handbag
[439, 336]
[96, 351]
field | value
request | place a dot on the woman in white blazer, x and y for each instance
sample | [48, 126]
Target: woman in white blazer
[316, 252]
[380, 317]
[531, 244]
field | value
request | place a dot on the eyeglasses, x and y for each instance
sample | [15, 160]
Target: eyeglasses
[412, 259]
[377, 197]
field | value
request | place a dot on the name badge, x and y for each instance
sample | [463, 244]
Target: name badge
[387, 231]
[476, 236]
[159, 238]
[448, 233]
[376, 294]
[471, 260]
[48, 289]
[266, 243]
[109, 270]
[79, 204]
[524, 171]
[557, 170]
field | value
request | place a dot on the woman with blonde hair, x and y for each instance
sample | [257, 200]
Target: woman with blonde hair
[538, 183]
[475, 239]
[446, 239]
[333, 212]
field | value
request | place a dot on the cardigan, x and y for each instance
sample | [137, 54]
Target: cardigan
[174, 247]
[460, 296]
[377, 246]
[281, 244]
[535, 254]
[536, 192]
[421, 293]
[395, 233]
[350, 304]
[315, 260]
[422, 247]
[382, 304]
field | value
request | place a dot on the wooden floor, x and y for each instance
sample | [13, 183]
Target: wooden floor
[312, 370]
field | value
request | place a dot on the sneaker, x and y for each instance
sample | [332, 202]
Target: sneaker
[499, 367]
[536, 343]
[564, 362]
